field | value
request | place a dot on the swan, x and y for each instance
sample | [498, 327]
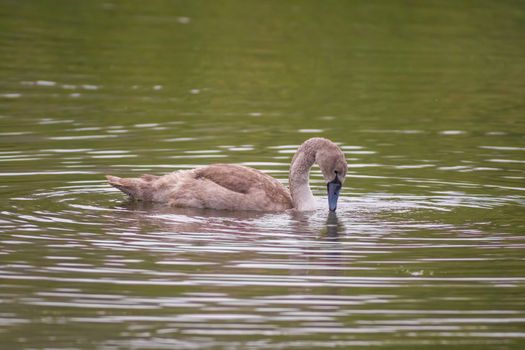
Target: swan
[236, 187]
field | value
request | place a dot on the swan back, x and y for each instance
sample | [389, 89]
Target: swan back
[218, 186]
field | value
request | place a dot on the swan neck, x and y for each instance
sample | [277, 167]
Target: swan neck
[300, 191]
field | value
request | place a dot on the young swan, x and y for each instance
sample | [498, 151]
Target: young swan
[235, 187]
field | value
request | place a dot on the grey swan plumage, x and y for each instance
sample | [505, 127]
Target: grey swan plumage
[236, 187]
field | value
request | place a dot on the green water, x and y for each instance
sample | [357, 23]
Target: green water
[426, 99]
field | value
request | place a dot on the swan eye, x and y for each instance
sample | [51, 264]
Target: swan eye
[335, 171]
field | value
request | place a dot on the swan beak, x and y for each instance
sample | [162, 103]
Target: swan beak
[333, 187]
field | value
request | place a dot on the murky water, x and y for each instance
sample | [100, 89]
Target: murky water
[426, 99]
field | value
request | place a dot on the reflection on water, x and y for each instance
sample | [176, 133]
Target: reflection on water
[424, 251]
[333, 227]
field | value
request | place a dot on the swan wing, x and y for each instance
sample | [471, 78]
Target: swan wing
[258, 189]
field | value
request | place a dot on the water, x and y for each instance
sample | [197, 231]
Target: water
[426, 100]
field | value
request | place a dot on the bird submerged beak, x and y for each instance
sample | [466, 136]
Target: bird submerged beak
[333, 187]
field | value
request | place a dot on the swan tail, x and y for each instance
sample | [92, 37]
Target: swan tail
[137, 188]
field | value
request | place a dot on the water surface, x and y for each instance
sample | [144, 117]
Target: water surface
[425, 250]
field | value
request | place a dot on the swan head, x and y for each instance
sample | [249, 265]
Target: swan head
[333, 165]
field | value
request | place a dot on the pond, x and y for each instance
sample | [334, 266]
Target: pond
[426, 99]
